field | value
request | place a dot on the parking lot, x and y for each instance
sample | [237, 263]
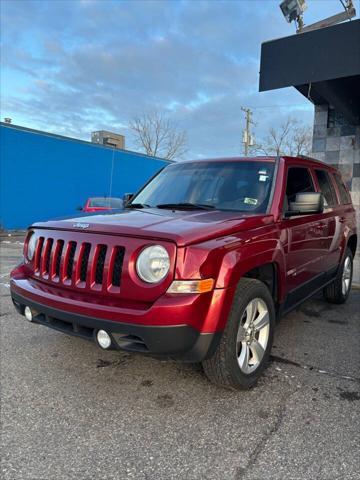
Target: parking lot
[71, 411]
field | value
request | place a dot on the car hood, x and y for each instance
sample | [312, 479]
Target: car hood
[181, 227]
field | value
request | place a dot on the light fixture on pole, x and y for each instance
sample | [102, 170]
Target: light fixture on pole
[293, 11]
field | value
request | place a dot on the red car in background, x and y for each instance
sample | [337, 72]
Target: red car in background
[100, 204]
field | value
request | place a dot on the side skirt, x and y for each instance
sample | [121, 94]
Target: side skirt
[306, 291]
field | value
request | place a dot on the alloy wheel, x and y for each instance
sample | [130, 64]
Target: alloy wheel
[253, 335]
[346, 276]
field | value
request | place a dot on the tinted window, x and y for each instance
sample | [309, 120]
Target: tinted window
[326, 187]
[298, 181]
[96, 202]
[116, 203]
[238, 186]
[344, 195]
[105, 202]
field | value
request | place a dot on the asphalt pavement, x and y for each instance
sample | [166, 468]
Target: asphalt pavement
[72, 411]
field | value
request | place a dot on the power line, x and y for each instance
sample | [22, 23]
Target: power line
[253, 107]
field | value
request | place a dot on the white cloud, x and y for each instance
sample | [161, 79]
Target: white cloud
[87, 67]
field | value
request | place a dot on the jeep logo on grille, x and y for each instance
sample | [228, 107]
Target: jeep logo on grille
[81, 225]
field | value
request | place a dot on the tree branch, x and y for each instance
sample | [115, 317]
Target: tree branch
[158, 136]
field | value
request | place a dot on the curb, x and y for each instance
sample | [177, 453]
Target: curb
[15, 234]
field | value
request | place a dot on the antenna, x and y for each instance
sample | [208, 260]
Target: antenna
[112, 172]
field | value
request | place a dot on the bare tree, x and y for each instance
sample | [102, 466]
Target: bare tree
[299, 141]
[158, 136]
[291, 138]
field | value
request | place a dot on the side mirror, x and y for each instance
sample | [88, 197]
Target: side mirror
[79, 208]
[127, 197]
[306, 203]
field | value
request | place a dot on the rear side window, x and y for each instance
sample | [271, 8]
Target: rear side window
[298, 181]
[344, 195]
[326, 187]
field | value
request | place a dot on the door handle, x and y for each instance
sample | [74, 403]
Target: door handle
[342, 219]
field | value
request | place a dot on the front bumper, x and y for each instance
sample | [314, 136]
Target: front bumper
[186, 327]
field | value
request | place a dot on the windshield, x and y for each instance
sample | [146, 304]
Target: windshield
[238, 186]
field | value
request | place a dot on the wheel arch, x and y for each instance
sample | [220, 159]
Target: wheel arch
[267, 273]
[352, 243]
[267, 269]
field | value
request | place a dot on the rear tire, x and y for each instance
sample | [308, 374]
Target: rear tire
[338, 291]
[245, 345]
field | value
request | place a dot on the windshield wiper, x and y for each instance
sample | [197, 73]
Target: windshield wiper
[137, 205]
[190, 206]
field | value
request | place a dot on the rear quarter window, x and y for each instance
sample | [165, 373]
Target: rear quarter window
[326, 187]
[343, 192]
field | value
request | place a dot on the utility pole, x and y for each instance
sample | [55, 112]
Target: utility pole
[248, 139]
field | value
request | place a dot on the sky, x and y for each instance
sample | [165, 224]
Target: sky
[72, 67]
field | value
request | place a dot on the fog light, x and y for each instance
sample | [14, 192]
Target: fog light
[103, 339]
[28, 314]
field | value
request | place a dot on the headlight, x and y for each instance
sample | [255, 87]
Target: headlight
[31, 244]
[153, 264]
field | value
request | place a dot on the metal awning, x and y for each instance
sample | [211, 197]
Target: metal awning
[324, 65]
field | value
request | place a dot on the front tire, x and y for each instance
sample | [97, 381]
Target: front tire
[244, 348]
[338, 291]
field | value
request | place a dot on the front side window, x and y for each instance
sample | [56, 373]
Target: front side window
[235, 186]
[344, 195]
[298, 181]
[326, 188]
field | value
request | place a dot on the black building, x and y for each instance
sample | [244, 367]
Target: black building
[324, 66]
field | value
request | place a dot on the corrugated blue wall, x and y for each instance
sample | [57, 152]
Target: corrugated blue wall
[44, 176]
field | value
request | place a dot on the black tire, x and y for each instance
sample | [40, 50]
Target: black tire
[334, 293]
[223, 367]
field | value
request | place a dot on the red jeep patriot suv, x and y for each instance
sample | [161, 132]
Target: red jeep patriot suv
[198, 264]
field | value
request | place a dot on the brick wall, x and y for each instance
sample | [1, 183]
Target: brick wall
[337, 143]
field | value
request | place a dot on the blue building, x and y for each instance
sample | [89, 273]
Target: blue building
[45, 176]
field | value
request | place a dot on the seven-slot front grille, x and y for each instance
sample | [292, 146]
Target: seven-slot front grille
[79, 264]
[84, 261]
[117, 266]
[99, 271]
[58, 253]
